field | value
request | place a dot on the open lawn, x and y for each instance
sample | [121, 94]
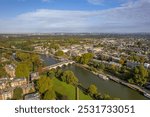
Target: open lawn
[68, 90]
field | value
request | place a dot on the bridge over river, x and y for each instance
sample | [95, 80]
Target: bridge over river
[58, 65]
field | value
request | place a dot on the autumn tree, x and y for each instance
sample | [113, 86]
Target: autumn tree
[139, 75]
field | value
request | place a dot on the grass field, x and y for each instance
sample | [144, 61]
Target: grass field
[68, 90]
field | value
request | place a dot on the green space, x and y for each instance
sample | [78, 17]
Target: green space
[68, 90]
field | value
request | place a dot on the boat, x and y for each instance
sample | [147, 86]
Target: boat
[103, 77]
[147, 95]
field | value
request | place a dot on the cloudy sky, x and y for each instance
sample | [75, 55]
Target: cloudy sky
[46, 16]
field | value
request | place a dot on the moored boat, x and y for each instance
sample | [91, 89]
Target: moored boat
[103, 77]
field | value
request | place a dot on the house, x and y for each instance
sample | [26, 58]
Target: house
[10, 69]
[6, 94]
[32, 96]
[115, 59]
[65, 50]
[18, 82]
[34, 76]
[116, 64]
[132, 64]
[28, 88]
[97, 49]
[38, 48]
[3, 83]
[3, 59]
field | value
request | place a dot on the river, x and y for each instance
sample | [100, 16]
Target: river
[110, 87]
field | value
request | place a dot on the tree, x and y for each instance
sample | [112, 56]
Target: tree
[51, 73]
[101, 66]
[69, 77]
[17, 93]
[54, 46]
[59, 53]
[23, 69]
[139, 75]
[86, 58]
[44, 84]
[58, 73]
[107, 97]
[122, 61]
[95, 64]
[2, 72]
[92, 89]
[36, 62]
[49, 95]
[22, 56]
[77, 59]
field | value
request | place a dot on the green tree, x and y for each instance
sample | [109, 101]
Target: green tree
[92, 89]
[49, 95]
[58, 73]
[86, 58]
[69, 77]
[36, 62]
[101, 66]
[77, 59]
[22, 56]
[51, 73]
[2, 72]
[44, 84]
[59, 53]
[140, 75]
[106, 97]
[17, 93]
[23, 69]
[54, 46]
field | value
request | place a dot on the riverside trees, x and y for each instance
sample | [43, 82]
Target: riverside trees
[69, 77]
[139, 75]
[84, 59]
[45, 87]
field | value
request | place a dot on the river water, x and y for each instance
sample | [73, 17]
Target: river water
[110, 87]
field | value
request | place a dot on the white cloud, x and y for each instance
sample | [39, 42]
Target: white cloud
[130, 17]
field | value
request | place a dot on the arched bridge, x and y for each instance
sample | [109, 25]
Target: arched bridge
[58, 65]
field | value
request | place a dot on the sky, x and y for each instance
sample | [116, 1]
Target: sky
[94, 16]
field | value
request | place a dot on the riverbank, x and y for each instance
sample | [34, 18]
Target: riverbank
[117, 80]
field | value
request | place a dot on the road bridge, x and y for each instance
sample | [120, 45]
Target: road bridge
[55, 66]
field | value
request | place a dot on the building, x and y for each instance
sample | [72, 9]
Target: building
[132, 64]
[65, 50]
[28, 88]
[6, 94]
[32, 96]
[34, 76]
[4, 83]
[10, 69]
[18, 82]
